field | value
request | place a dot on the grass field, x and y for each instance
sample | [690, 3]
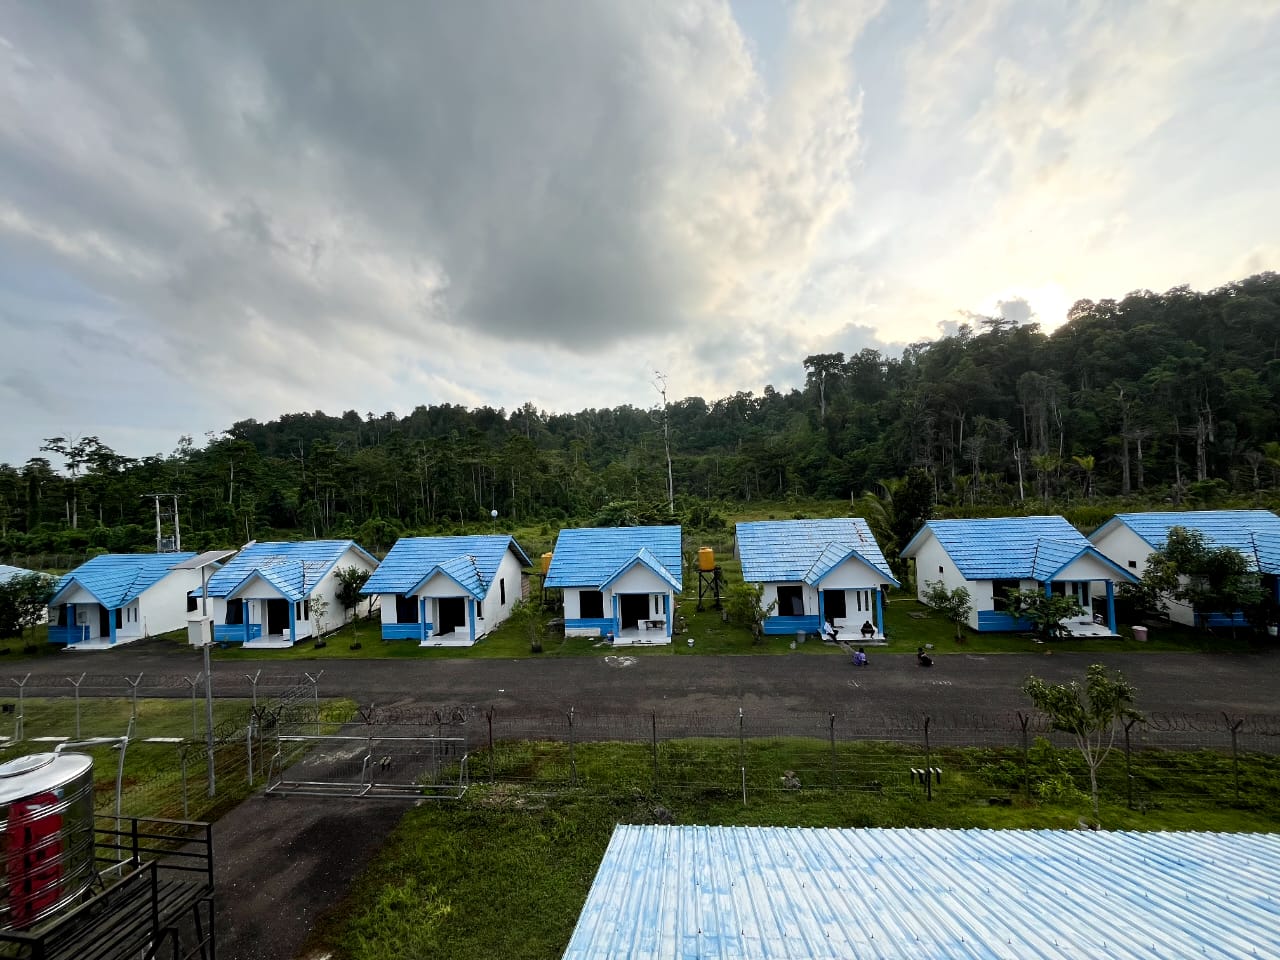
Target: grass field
[505, 871]
[153, 773]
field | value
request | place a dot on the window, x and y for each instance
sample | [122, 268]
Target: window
[657, 604]
[235, 612]
[502, 591]
[62, 615]
[479, 610]
[297, 610]
[790, 601]
[939, 568]
[1000, 590]
[306, 609]
[1133, 564]
[406, 609]
[192, 603]
[590, 604]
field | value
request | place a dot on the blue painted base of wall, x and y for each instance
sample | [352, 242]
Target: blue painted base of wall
[235, 632]
[65, 635]
[993, 621]
[1237, 619]
[403, 631]
[603, 624]
[780, 626]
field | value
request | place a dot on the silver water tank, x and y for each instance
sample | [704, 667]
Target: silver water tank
[46, 835]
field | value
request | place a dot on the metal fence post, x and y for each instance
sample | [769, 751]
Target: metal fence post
[653, 720]
[835, 782]
[133, 692]
[1026, 756]
[253, 722]
[20, 721]
[182, 753]
[76, 684]
[195, 705]
[492, 763]
[253, 684]
[742, 754]
[1235, 753]
[928, 763]
[573, 765]
[1128, 762]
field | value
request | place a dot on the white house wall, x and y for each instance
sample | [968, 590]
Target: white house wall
[1124, 547]
[639, 579]
[163, 606]
[509, 573]
[853, 575]
[933, 563]
[1086, 568]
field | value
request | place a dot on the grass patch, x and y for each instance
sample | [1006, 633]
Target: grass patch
[505, 871]
[152, 785]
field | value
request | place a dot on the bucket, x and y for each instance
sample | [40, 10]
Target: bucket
[1140, 634]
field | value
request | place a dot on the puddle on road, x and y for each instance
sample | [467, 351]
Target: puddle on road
[615, 661]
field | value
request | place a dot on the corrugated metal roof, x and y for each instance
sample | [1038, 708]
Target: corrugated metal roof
[806, 550]
[295, 569]
[119, 578]
[413, 558]
[1006, 548]
[770, 892]
[1253, 532]
[591, 556]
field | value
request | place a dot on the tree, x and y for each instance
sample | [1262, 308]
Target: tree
[319, 612]
[351, 581]
[527, 618]
[954, 605]
[821, 366]
[1208, 579]
[24, 599]
[744, 606]
[1045, 611]
[1091, 720]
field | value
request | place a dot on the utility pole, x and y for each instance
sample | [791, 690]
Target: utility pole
[660, 384]
[177, 531]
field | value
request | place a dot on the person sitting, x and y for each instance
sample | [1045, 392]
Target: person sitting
[868, 631]
[829, 632]
[860, 658]
[923, 658]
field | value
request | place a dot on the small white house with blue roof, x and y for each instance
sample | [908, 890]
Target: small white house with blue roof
[447, 591]
[815, 572]
[1129, 539]
[994, 556]
[118, 597]
[618, 581]
[263, 596]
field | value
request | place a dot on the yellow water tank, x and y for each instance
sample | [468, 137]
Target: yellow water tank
[706, 558]
[546, 563]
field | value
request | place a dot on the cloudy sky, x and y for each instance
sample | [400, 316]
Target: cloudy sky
[220, 210]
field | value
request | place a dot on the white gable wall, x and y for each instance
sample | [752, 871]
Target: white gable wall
[639, 579]
[853, 574]
[509, 577]
[163, 606]
[1086, 568]
[335, 616]
[1121, 545]
[1124, 548]
[934, 563]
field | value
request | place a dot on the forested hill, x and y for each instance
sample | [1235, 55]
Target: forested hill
[1168, 396]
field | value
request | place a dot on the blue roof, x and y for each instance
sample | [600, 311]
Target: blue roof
[802, 893]
[295, 569]
[775, 551]
[1255, 533]
[594, 556]
[116, 579]
[471, 561]
[1011, 548]
[7, 572]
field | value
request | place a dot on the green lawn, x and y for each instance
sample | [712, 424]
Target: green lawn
[153, 775]
[505, 871]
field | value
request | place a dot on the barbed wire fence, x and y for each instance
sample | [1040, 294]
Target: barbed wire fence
[995, 758]
[1232, 760]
